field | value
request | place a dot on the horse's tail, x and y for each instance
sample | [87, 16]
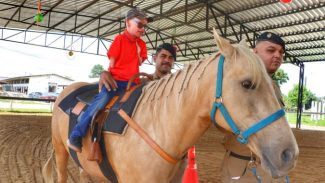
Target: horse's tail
[48, 169]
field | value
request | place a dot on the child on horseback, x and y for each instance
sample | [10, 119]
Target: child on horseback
[126, 54]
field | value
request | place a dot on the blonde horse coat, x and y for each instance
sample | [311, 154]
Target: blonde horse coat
[235, 170]
[175, 112]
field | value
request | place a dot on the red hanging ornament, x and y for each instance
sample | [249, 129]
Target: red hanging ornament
[286, 1]
[39, 16]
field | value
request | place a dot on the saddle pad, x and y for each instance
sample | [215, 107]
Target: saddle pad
[114, 122]
[72, 99]
[88, 96]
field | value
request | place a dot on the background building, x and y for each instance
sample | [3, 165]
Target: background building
[43, 83]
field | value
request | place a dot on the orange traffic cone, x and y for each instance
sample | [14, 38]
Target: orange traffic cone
[190, 174]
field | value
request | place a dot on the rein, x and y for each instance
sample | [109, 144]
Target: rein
[242, 136]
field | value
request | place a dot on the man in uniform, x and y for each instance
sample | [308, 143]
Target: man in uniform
[270, 47]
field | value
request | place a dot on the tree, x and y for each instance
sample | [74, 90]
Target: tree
[292, 99]
[96, 70]
[280, 77]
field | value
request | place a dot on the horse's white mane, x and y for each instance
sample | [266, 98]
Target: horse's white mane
[255, 65]
[155, 89]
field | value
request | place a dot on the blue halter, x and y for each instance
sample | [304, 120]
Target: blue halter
[242, 137]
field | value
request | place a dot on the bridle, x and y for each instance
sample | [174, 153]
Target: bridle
[251, 165]
[242, 136]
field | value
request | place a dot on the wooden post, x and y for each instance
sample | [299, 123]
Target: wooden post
[11, 104]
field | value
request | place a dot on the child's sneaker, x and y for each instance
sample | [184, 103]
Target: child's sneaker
[75, 144]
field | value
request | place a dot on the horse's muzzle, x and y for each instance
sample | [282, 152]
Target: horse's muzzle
[280, 163]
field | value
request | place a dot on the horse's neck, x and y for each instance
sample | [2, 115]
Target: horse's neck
[174, 109]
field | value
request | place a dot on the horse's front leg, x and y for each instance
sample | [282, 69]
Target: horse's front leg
[61, 158]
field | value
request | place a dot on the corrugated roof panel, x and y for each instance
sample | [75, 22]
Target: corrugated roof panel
[101, 7]
[301, 23]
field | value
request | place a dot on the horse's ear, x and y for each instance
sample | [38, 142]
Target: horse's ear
[223, 44]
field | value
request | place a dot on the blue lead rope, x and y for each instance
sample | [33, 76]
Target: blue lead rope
[287, 179]
[258, 178]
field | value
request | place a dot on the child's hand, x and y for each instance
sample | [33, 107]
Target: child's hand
[106, 80]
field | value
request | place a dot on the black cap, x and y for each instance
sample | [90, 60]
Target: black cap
[138, 13]
[169, 47]
[272, 37]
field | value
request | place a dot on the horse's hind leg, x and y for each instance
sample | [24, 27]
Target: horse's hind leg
[61, 158]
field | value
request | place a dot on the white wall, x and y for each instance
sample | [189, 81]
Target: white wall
[41, 83]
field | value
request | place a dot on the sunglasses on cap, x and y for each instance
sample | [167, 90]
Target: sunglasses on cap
[140, 24]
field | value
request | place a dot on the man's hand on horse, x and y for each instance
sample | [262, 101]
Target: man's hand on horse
[107, 80]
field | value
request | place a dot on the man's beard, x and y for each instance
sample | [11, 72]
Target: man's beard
[166, 67]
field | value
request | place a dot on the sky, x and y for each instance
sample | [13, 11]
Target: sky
[20, 59]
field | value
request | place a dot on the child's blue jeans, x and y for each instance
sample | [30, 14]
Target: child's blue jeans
[99, 102]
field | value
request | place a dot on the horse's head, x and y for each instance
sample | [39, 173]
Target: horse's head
[246, 93]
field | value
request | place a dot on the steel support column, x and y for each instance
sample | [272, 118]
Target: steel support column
[300, 94]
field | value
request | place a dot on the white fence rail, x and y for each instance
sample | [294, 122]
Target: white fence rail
[12, 105]
[317, 111]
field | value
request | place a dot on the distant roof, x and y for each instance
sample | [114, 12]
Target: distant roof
[185, 23]
[30, 76]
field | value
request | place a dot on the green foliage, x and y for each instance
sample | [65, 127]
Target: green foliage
[96, 70]
[280, 77]
[292, 99]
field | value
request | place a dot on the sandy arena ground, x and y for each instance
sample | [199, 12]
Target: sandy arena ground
[25, 146]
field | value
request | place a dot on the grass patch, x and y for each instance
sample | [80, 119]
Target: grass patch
[27, 110]
[19, 106]
[305, 120]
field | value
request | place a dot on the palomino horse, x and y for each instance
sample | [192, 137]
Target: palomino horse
[235, 167]
[175, 112]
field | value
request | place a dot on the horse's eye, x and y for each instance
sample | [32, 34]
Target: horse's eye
[248, 84]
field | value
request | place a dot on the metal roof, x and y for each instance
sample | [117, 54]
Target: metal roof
[31, 76]
[187, 23]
